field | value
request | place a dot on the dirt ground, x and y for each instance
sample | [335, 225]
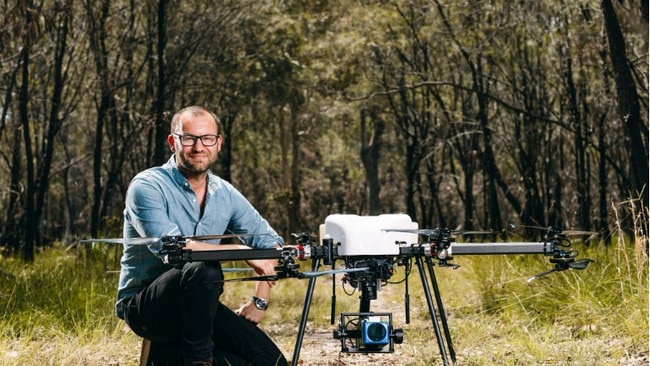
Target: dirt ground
[319, 348]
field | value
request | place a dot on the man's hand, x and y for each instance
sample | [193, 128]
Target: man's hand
[249, 312]
[264, 267]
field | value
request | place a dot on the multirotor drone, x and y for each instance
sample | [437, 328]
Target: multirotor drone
[371, 247]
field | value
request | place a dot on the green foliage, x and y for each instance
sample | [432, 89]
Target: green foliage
[62, 292]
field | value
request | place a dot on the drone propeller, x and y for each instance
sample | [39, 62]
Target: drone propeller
[242, 269]
[331, 271]
[151, 240]
[300, 275]
[133, 241]
[431, 232]
[554, 230]
[561, 266]
[580, 264]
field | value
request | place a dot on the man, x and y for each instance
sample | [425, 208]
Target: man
[181, 304]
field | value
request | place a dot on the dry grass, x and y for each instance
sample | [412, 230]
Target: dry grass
[59, 312]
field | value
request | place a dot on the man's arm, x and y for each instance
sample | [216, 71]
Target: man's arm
[263, 267]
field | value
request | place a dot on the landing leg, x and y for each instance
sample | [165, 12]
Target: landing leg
[441, 309]
[305, 314]
[432, 312]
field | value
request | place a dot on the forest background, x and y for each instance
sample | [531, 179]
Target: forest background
[463, 114]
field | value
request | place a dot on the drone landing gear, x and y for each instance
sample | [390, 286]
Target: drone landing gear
[374, 331]
[305, 313]
[443, 344]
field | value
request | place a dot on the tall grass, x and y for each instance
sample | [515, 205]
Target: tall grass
[59, 311]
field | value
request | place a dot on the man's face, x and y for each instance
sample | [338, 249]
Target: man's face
[198, 158]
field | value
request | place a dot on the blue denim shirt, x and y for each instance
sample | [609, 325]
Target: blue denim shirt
[160, 202]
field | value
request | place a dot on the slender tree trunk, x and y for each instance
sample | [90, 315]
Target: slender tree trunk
[31, 223]
[285, 165]
[629, 109]
[54, 120]
[580, 128]
[411, 170]
[9, 238]
[14, 217]
[295, 219]
[162, 128]
[603, 210]
[555, 213]
[370, 150]
[100, 54]
[225, 155]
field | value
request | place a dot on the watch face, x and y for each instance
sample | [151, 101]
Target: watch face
[260, 303]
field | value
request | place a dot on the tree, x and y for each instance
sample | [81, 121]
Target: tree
[629, 109]
[370, 153]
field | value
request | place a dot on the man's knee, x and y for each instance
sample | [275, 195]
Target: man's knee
[202, 273]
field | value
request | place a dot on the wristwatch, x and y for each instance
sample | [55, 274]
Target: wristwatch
[260, 303]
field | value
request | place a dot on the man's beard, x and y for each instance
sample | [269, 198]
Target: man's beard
[188, 167]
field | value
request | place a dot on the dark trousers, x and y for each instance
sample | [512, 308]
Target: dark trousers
[182, 306]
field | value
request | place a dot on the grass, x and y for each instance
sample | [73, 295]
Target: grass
[59, 311]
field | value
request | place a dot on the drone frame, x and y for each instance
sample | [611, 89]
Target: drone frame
[438, 244]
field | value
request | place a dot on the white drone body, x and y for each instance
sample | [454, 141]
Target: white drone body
[369, 235]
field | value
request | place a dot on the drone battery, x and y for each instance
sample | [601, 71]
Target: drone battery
[370, 235]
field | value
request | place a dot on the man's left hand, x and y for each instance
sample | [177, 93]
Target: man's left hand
[264, 267]
[249, 312]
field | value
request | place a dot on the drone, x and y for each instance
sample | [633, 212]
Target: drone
[371, 247]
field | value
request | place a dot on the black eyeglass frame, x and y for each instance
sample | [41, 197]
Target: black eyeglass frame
[184, 139]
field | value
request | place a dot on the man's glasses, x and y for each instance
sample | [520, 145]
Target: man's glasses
[190, 140]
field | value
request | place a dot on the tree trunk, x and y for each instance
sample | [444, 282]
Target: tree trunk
[161, 128]
[54, 119]
[629, 110]
[580, 128]
[31, 223]
[14, 216]
[603, 210]
[100, 54]
[295, 219]
[370, 150]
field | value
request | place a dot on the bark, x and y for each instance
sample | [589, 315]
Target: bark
[370, 150]
[106, 103]
[629, 109]
[162, 128]
[580, 129]
[55, 119]
[31, 224]
[295, 220]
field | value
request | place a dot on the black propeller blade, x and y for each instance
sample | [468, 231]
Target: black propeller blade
[134, 241]
[300, 275]
[579, 265]
[431, 232]
[151, 240]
